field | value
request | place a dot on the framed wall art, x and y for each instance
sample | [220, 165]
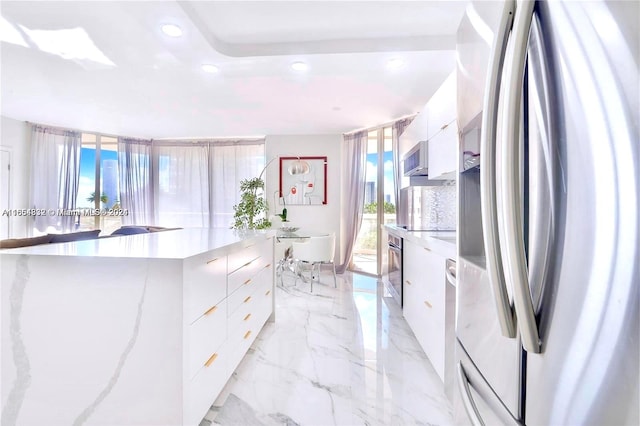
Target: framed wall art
[303, 188]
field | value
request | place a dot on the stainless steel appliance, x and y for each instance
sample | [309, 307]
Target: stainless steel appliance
[547, 285]
[450, 330]
[416, 160]
[393, 274]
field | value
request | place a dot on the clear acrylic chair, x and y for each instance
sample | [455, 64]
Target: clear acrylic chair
[315, 251]
[282, 256]
[283, 259]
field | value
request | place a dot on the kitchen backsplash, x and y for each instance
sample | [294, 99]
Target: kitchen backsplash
[439, 206]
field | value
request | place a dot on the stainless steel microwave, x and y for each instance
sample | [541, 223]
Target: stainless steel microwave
[415, 162]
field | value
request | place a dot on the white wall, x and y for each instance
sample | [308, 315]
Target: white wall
[321, 217]
[14, 137]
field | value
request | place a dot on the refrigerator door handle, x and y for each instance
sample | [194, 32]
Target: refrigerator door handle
[514, 251]
[467, 398]
[488, 174]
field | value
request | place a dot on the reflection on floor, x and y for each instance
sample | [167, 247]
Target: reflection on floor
[340, 356]
[367, 263]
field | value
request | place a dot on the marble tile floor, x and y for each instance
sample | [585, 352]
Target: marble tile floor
[337, 357]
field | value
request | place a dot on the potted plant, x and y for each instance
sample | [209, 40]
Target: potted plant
[283, 215]
[250, 212]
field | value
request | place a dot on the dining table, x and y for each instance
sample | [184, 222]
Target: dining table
[286, 234]
[298, 233]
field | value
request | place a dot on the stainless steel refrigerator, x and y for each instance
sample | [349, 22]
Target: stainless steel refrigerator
[548, 280]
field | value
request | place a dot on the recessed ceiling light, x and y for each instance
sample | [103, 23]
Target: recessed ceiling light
[171, 30]
[210, 68]
[299, 66]
[395, 63]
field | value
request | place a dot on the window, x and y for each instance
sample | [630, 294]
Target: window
[99, 183]
[198, 183]
[379, 203]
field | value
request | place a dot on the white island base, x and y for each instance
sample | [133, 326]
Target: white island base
[116, 332]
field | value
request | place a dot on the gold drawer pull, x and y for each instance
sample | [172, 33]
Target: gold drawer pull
[267, 293]
[247, 317]
[211, 359]
[213, 260]
[211, 310]
[408, 282]
[426, 249]
[247, 281]
[247, 334]
[268, 265]
[247, 299]
[247, 264]
[429, 305]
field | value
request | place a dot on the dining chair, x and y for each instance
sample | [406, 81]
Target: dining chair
[315, 251]
[281, 251]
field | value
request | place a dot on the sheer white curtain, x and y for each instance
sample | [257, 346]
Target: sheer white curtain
[55, 176]
[230, 162]
[396, 131]
[183, 184]
[198, 182]
[136, 173]
[355, 147]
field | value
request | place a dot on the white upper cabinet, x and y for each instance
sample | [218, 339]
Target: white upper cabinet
[437, 124]
[443, 131]
[415, 132]
[443, 153]
[441, 108]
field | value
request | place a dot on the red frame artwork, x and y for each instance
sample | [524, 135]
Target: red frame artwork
[307, 189]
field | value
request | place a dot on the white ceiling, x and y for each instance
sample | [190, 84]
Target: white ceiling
[145, 84]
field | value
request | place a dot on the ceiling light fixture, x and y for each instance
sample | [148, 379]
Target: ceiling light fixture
[299, 66]
[394, 64]
[171, 30]
[210, 68]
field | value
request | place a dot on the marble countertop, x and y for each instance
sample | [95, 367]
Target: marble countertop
[175, 244]
[441, 242]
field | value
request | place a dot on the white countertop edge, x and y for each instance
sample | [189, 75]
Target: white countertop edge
[433, 240]
[173, 244]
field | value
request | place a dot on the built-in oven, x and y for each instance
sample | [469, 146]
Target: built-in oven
[393, 276]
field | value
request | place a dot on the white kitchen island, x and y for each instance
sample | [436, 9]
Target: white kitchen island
[130, 330]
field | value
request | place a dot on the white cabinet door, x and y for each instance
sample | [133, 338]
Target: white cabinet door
[443, 131]
[441, 108]
[415, 132]
[205, 284]
[443, 153]
[412, 281]
[424, 300]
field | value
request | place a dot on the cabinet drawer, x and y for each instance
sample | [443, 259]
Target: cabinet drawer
[205, 336]
[243, 333]
[246, 254]
[246, 273]
[205, 278]
[259, 300]
[248, 287]
[205, 387]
